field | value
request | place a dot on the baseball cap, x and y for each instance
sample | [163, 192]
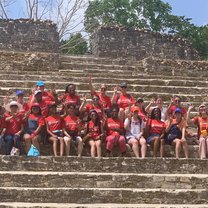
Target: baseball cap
[202, 105]
[40, 83]
[19, 92]
[37, 91]
[178, 110]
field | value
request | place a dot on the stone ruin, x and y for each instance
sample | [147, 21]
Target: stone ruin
[137, 44]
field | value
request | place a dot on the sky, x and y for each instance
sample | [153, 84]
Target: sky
[195, 9]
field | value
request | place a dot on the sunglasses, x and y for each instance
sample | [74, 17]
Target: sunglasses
[123, 87]
[177, 101]
[12, 106]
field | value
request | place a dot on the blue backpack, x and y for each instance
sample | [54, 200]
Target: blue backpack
[33, 151]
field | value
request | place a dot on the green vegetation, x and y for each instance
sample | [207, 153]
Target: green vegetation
[154, 15]
[75, 45]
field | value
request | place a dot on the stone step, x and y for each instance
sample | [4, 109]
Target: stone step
[111, 82]
[103, 195]
[105, 75]
[102, 180]
[133, 87]
[114, 164]
[107, 205]
[67, 65]
[92, 59]
[146, 95]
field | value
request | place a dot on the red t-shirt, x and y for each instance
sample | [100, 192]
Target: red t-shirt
[13, 125]
[98, 109]
[112, 124]
[156, 126]
[40, 120]
[25, 108]
[2, 123]
[93, 130]
[46, 96]
[54, 122]
[173, 108]
[71, 123]
[141, 114]
[68, 99]
[123, 101]
[202, 122]
[105, 100]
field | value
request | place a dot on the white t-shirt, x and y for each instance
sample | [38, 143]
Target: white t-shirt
[135, 127]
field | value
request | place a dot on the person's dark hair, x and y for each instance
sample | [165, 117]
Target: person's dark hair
[67, 87]
[152, 116]
[177, 96]
[39, 112]
[71, 105]
[97, 120]
[115, 107]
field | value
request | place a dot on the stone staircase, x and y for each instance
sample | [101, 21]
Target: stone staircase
[106, 182]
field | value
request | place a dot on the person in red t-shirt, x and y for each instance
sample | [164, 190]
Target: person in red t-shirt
[93, 134]
[38, 98]
[2, 124]
[33, 125]
[115, 132]
[201, 121]
[54, 125]
[123, 100]
[20, 99]
[139, 106]
[176, 103]
[104, 100]
[13, 127]
[156, 130]
[95, 105]
[69, 97]
[71, 130]
[46, 96]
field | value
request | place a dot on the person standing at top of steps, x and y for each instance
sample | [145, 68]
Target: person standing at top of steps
[176, 103]
[70, 97]
[114, 129]
[46, 96]
[157, 103]
[122, 99]
[104, 99]
[175, 133]
[201, 120]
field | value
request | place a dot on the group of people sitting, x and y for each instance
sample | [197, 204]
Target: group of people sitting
[117, 121]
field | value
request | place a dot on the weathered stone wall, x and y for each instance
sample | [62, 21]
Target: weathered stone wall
[29, 61]
[28, 35]
[139, 44]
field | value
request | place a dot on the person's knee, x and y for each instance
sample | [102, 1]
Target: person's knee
[67, 139]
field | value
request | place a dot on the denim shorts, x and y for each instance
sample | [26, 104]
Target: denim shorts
[149, 139]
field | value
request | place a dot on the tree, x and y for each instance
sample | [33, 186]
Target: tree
[4, 4]
[154, 15]
[75, 45]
